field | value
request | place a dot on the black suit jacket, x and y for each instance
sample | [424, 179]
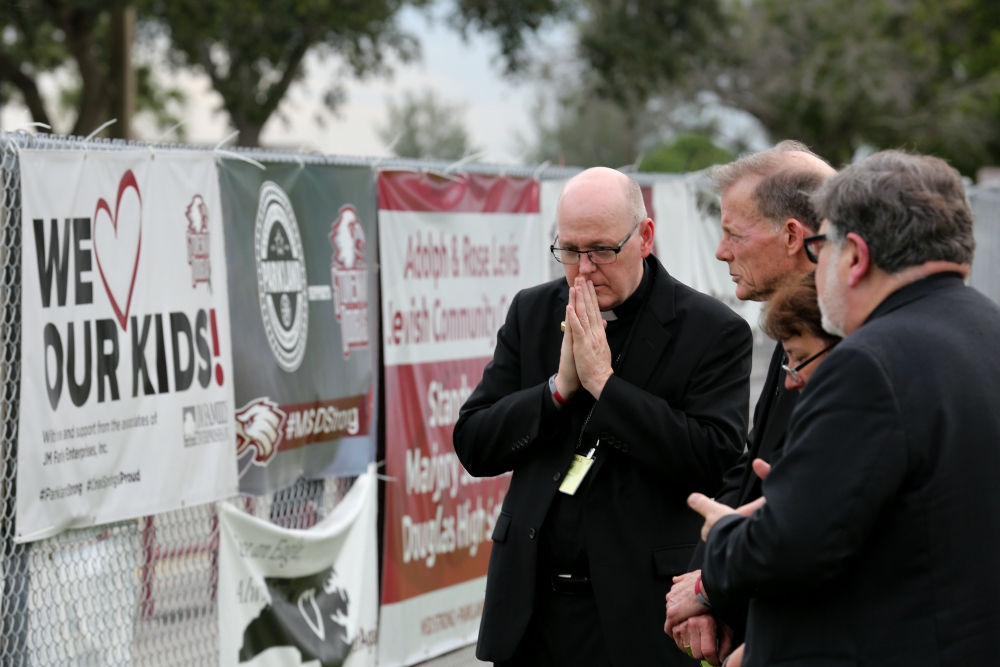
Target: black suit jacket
[770, 424]
[672, 420]
[880, 540]
[741, 485]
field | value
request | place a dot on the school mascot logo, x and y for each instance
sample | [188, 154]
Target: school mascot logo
[198, 242]
[349, 278]
[281, 277]
[259, 426]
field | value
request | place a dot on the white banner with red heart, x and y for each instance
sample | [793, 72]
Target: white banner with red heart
[126, 364]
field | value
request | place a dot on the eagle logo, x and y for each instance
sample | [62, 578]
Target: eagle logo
[348, 239]
[259, 426]
[349, 279]
[198, 242]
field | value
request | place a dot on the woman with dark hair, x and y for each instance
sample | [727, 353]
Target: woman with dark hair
[792, 316]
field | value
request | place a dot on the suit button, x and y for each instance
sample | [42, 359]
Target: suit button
[555, 477]
[618, 444]
[604, 435]
[531, 533]
[624, 448]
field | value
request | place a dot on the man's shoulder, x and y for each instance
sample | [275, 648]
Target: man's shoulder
[951, 315]
[553, 291]
[703, 307]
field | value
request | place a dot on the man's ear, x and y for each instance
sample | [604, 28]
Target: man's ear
[647, 231]
[794, 233]
[860, 259]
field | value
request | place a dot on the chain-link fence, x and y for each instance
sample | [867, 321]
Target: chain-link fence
[139, 592]
[143, 592]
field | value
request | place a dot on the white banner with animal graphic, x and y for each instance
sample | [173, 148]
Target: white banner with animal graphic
[294, 597]
[126, 365]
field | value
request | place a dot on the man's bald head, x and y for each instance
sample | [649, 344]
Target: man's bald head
[605, 192]
[599, 209]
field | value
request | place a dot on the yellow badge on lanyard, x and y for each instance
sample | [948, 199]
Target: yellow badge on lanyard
[578, 469]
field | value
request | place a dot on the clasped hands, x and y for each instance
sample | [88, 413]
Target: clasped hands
[689, 622]
[585, 358]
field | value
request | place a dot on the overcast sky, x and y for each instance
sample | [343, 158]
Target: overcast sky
[467, 73]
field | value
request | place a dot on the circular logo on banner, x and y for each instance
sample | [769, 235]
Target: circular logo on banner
[281, 277]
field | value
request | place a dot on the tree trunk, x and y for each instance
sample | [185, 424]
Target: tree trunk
[93, 94]
[249, 136]
[122, 78]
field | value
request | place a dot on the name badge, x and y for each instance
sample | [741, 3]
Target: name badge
[578, 469]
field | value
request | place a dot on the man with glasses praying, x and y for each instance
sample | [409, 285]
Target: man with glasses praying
[611, 395]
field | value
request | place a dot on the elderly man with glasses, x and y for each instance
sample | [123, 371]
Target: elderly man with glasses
[611, 395]
[767, 223]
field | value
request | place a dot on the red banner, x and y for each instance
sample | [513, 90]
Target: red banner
[439, 534]
[452, 256]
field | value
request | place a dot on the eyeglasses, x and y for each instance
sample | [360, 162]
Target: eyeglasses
[794, 372]
[813, 245]
[597, 255]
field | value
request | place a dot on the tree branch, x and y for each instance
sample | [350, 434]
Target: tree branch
[32, 98]
[80, 40]
[277, 92]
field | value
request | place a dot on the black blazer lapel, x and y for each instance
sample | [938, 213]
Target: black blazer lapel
[649, 340]
[775, 411]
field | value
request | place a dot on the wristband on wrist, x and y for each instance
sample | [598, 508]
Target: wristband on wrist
[555, 392]
[701, 596]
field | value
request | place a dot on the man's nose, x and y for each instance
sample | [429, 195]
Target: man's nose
[722, 253]
[586, 265]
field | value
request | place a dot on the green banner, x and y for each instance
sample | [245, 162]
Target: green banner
[301, 247]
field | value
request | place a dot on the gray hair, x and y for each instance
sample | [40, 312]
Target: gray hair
[634, 201]
[784, 192]
[908, 208]
[763, 163]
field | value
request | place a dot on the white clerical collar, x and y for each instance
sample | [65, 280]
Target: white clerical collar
[608, 315]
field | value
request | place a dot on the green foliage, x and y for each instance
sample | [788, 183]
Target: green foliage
[691, 151]
[253, 50]
[45, 35]
[585, 130]
[836, 74]
[159, 100]
[510, 20]
[424, 127]
[42, 35]
[637, 46]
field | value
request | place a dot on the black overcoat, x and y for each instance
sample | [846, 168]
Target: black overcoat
[880, 540]
[672, 420]
[741, 485]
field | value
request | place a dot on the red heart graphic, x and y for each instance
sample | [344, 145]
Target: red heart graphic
[128, 181]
